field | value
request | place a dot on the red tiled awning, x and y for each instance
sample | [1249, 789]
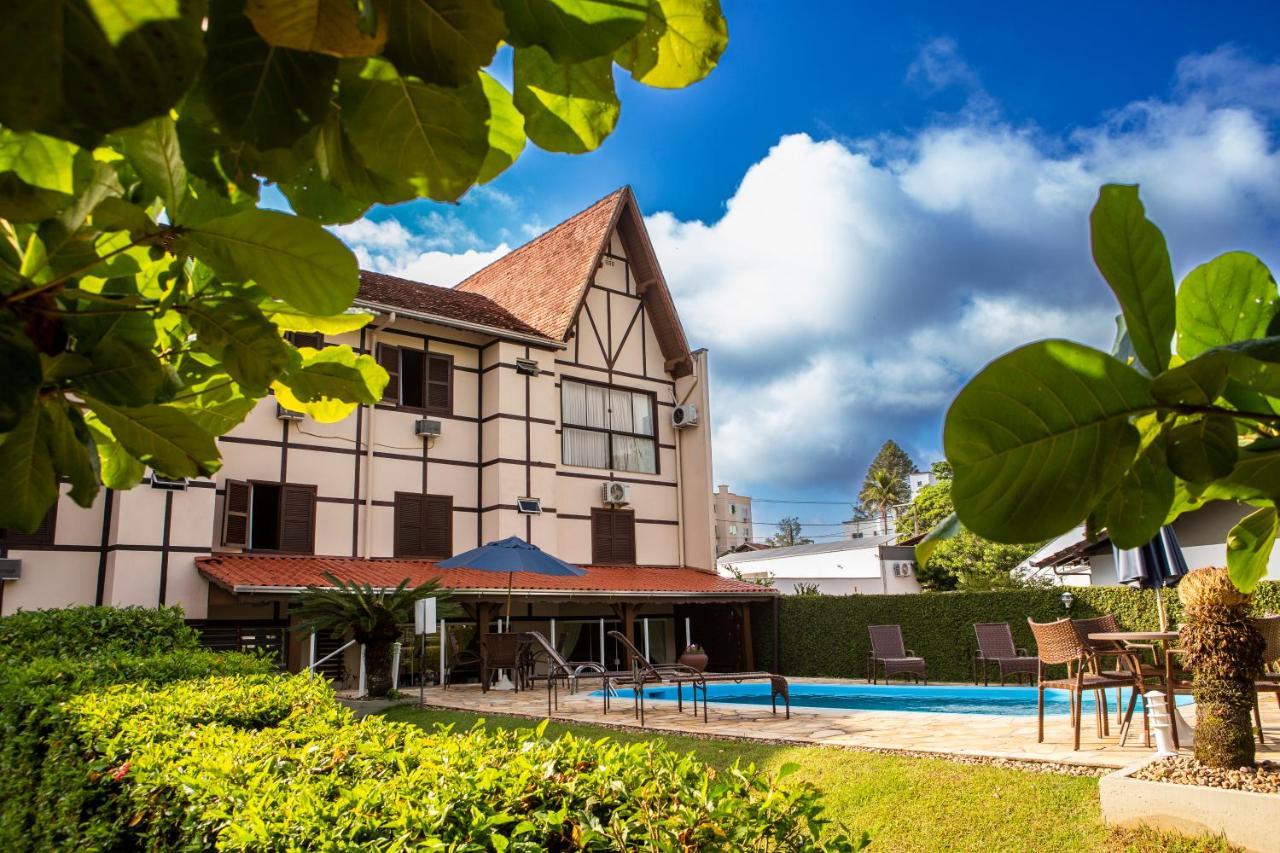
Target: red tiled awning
[262, 573]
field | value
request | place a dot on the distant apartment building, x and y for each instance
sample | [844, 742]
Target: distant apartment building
[733, 519]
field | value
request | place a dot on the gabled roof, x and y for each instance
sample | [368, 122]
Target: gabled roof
[445, 302]
[267, 573]
[544, 282]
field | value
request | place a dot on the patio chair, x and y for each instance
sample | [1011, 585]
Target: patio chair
[644, 673]
[498, 652]
[889, 653]
[995, 645]
[1126, 658]
[1269, 682]
[459, 658]
[1059, 643]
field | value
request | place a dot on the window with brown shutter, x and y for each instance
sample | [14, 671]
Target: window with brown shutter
[420, 381]
[315, 340]
[42, 535]
[423, 525]
[613, 537]
[269, 517]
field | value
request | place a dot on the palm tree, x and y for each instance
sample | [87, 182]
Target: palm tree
[883, 491]
[373, 615]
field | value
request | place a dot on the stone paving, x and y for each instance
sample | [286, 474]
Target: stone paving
[1006, 737]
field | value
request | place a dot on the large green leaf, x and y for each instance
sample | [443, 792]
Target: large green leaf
[70, 76]
[330, 383]
[289, 319]
[164, 437]
[506, 130]
[264, 95]
[321, 26]
[1039, 436]
[247, 343]
[121, 372]
[1202, 448]
[681, 43]
[21, 375]
[292, 258]
[216, 403]
[1232, 298]
[152, 149]
[1255, 477]
[444, 42]
[1130, 252]
[431, 138]
[26, 470]
[1249, 546]
[119, 470]
[71, 448]
[567, 108]
[38, 161]
[118, 19]
[948, 528]
[1141, 501]
[573, 30]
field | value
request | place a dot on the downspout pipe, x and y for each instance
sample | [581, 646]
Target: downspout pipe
[378, 324]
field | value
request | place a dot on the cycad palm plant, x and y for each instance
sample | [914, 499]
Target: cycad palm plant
[372, 615]
[882, 492]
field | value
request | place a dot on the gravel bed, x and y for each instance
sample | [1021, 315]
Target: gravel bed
[1185, 770]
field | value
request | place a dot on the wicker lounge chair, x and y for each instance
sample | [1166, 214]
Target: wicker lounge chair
[889, 653]
[995, 646]
[1269, 628]
[1060, 643]
[645, 673]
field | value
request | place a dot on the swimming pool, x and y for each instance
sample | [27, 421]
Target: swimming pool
[935, 699]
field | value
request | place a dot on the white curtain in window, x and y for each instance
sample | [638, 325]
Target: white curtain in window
[586, 448]
[634, 454]
[642, 414]
[583, 405]
[620, 410]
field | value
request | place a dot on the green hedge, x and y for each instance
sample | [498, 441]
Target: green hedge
[189, 749]
[826, 636]
[87, 632]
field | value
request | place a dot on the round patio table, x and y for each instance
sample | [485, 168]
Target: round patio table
[1165, 637]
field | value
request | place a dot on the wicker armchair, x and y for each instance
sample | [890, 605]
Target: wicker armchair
[459, 659]
[890, 654]
[995, 645]
[1059, 643]
[1269, 628]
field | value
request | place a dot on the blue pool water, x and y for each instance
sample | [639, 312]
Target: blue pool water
[944, 699]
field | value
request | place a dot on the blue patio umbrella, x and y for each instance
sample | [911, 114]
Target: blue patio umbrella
[1155, 565]
[511, 555]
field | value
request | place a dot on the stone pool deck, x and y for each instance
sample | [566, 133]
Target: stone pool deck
[1005, 737]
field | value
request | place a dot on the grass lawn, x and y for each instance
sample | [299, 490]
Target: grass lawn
[907, 803]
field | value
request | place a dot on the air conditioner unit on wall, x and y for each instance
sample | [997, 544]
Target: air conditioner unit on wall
[288, 414]
[684, 416]
[614, 493]
[427, 428]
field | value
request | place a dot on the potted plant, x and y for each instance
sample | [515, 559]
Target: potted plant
[694, 656]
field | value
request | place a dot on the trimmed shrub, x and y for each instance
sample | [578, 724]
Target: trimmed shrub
[259, 763]
[826, 636]
[86, 632]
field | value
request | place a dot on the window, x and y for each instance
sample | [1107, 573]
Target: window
[315, 340]
[42, 535]
[423, 525]
[419, 380]
[733, 509]
[603, 427]
[613, 537]
[269, 517]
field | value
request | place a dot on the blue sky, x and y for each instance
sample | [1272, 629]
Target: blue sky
[866, 202]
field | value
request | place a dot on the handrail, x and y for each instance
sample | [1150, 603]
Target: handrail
[342, 648]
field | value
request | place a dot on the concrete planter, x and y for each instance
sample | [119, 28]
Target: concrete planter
[1245, 818]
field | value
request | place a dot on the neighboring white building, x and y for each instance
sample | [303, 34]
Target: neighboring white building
[1071, 560]
[867, 566]
[920, 479]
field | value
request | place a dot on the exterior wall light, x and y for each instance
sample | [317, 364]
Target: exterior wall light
[1067, 599]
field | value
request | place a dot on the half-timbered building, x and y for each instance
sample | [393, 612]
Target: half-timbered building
[552, 396]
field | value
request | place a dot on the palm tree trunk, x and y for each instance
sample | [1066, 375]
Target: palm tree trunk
[377, 664]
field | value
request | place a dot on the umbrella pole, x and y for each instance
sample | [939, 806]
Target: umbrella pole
[510, 575]
[1164, 619]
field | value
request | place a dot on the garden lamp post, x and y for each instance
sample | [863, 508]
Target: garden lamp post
[1067, 600]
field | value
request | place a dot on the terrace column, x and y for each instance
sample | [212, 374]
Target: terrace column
[748, 653]
[482, 632]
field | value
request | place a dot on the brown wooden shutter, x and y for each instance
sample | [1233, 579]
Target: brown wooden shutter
[315, 340]
[297, 518]
[439, 392]
[624, 537]
[235, 513]
[389, 358]
[437, 526]
[42, 535]
[601, 537]
[407, 539]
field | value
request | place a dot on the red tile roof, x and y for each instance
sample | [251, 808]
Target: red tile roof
[264, 572]
[542, 282]
[441, 301]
